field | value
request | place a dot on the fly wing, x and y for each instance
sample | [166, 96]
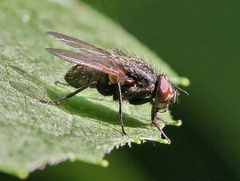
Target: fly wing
[90, 61]
[78, 44]
[89, 55]
[88, 50]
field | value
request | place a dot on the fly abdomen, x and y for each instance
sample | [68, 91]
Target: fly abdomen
[79, 75]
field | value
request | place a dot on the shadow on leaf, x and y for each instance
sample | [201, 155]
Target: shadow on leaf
[83, 107]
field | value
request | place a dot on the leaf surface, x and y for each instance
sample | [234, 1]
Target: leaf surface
[84, 128]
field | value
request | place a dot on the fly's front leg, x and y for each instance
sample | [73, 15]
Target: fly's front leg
[62, 83]
[59, 100]
[120, 107]
[155, 122]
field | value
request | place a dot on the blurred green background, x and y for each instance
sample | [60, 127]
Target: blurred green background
[200, 40]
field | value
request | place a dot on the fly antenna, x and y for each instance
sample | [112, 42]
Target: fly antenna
[185, 92]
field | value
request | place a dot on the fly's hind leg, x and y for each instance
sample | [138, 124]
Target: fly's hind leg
[60, 99]
[120, 107]
[155, 122]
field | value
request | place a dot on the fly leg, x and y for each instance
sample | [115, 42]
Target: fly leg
[59, 100]
[155, 122]
[120, 107]
[59, 82]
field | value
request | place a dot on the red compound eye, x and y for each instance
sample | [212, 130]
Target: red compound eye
[164, 88]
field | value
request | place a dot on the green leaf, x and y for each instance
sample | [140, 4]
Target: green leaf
[84, 128]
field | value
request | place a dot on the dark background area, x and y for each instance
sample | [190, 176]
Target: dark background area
[200, 40]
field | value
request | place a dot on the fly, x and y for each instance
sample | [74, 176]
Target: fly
[115, 74]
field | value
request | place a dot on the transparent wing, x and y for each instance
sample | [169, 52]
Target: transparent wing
[78, 44]
[81, 59]
[90, 51]
[89, 55]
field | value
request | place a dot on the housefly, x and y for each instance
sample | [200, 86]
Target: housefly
[116, 74]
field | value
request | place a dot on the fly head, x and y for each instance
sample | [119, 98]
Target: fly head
[166, 93]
